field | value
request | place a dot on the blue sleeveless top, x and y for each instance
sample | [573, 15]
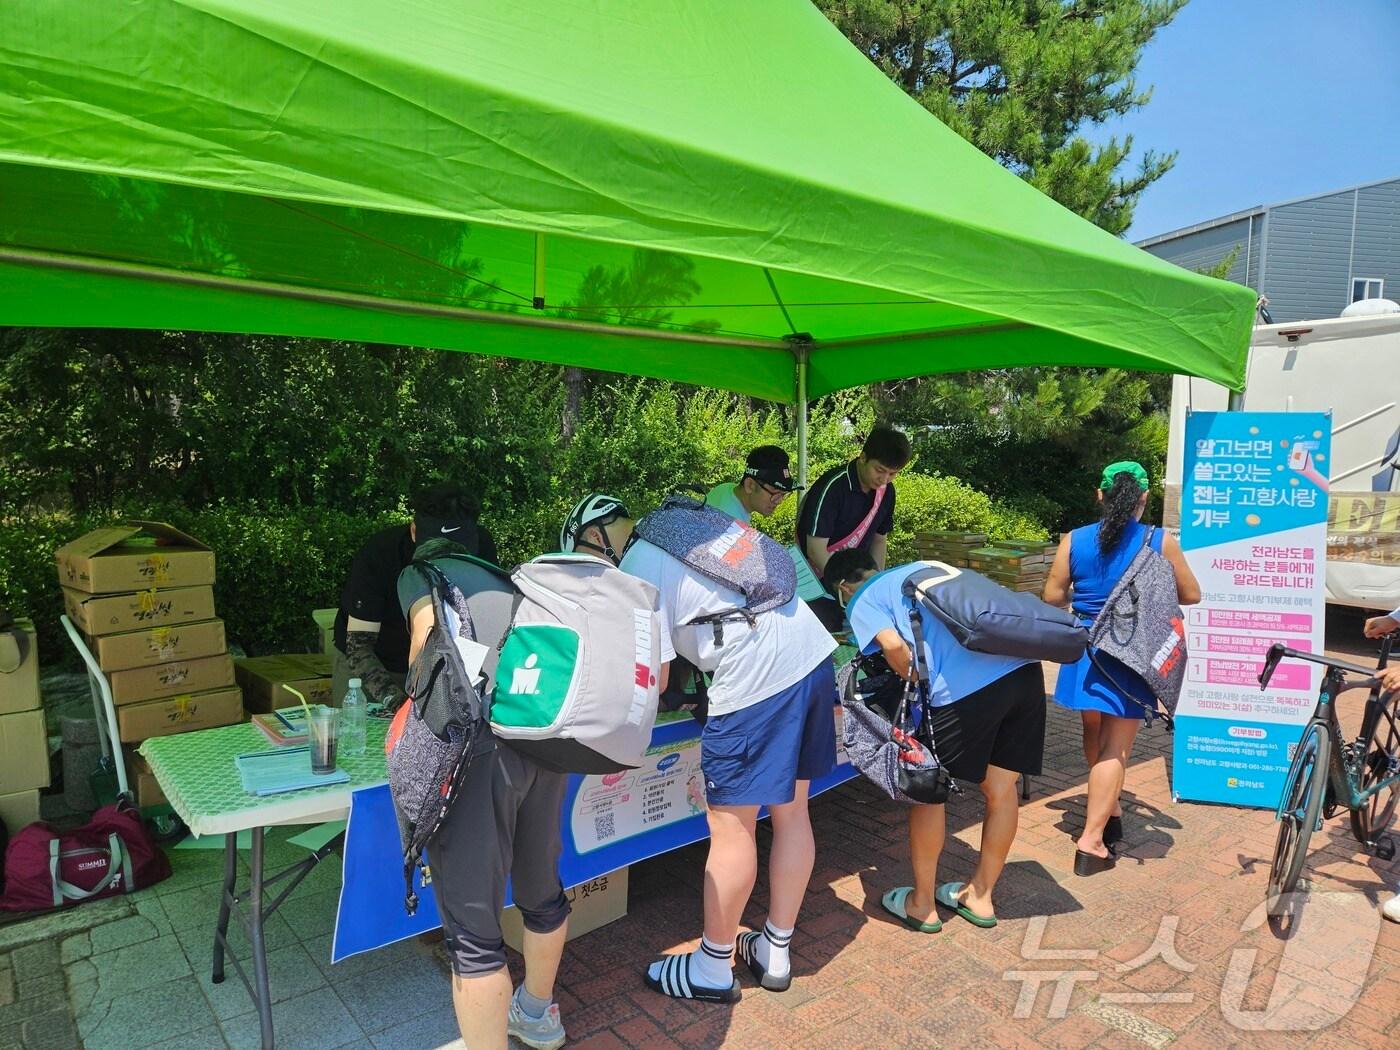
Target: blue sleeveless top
[1094, 574]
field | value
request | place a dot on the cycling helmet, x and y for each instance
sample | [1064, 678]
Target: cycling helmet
[596, 508]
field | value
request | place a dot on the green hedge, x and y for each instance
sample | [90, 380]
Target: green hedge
[276, 564]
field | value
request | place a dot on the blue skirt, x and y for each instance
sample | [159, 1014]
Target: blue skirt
[1081, 686]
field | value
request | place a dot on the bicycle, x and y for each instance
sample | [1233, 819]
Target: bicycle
[1325, 774]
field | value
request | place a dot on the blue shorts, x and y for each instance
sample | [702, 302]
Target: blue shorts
[755, 756]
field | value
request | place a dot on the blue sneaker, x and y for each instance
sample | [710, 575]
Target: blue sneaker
[540, 1033]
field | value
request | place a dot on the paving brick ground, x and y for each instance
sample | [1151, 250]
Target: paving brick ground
[1167, 950]
[1069, 965]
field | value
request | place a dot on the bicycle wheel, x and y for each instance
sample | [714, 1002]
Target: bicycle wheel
[1380, 751]
[1301, 802]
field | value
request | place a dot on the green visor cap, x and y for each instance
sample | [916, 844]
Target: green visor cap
[1126, 466]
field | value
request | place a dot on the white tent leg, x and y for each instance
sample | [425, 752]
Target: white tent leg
[1236, 403]
[802, 416]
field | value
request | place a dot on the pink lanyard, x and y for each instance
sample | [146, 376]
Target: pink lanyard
[854, 539]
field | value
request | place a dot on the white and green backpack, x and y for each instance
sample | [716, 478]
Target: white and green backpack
[576, 683]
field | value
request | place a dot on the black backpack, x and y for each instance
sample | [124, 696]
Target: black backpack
[438, 728]
[986, 617]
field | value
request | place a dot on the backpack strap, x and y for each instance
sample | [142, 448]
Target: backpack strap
[440, 590]
[918, 653]
[719, 619]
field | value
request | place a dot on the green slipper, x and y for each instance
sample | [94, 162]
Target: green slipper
[947, 895]
[894, 901]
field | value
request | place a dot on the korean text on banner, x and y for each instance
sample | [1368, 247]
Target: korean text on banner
[1254, 529]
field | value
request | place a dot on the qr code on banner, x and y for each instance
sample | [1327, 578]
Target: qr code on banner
[603, 826]
[1292, 750]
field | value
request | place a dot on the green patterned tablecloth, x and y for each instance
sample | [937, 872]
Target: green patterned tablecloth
[197, 774]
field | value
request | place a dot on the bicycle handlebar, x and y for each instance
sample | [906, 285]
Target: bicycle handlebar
[1278, 651]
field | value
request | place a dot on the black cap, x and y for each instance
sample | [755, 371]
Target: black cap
[768, 465]
[458, 529]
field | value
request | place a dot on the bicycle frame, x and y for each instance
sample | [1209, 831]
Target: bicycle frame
[1343, 780]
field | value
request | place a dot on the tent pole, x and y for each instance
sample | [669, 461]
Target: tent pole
[1236, 401]
[801, 353]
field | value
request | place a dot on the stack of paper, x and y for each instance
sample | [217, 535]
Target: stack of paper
[287, 769]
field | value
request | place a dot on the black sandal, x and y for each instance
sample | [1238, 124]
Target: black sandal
[1113, 832]
[675, 982]
[744, 947]
[1092, 863]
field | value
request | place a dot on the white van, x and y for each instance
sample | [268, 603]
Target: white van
[1350, 367]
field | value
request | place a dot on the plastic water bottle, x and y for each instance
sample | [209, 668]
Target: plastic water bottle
[352, 720]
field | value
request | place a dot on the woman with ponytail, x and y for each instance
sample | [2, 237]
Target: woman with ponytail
[1112, 701]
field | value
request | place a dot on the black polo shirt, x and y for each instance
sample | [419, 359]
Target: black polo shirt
[835, 506]
[372, 590]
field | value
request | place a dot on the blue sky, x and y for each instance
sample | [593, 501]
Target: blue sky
[1266, 100]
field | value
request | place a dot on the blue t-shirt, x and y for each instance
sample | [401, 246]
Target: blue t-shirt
[954, 672]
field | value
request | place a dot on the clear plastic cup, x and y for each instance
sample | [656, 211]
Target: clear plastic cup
[321, 733]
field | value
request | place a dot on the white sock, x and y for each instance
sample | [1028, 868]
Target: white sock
[771, 950]
[711, 965]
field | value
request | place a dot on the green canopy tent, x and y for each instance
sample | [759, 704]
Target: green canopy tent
[722, 193]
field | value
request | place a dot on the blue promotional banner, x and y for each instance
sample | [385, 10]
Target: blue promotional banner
[1254, 531]
[608, 822]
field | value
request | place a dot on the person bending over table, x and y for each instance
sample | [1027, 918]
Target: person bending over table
[851, 507]
[769, 733]
[766, 482]
[503, 824]
[371, 638]
[987, 723]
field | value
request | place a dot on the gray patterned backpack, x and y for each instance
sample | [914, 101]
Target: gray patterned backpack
[434, 734]
[1141, 627]
[732, 553]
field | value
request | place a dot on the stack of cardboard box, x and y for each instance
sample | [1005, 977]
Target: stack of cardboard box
[143, 595]
[24, 739]
[1020, 565]
[951, 548]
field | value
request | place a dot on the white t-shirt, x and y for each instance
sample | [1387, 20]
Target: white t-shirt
[754, 663]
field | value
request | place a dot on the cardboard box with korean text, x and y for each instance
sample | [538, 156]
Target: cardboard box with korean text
[132, 557]
[97, 615]
[264, 680]
[24, 752]
[19, 809]
[159, 645]
[595, 903]
[179, 714]
[19, 668]
[180, 676]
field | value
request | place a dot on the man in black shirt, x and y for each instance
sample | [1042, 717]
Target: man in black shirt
[851, 507]
[371, 637]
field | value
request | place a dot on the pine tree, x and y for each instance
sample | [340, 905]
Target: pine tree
[1021, 79]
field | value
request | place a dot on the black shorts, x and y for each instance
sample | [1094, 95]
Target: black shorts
[503, 824]
[1002, 724]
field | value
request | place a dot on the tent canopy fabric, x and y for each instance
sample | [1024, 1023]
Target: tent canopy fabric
[696, 191]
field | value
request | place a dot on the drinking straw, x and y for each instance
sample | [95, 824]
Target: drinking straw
[304, 706]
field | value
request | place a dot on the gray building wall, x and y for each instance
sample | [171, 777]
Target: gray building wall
[1302, 254]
